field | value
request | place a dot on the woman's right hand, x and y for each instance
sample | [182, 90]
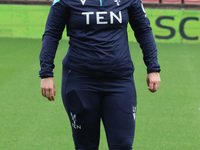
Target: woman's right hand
[48, 88]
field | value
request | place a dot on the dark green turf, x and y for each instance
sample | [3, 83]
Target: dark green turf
[166, 120]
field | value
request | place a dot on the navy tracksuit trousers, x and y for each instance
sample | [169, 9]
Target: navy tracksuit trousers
[88, 99]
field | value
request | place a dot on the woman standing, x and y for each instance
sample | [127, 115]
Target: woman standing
[97, 80]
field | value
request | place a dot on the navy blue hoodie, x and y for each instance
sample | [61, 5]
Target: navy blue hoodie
[98, 42]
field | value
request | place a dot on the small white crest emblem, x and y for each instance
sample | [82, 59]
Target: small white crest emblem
[117, 1]
[83, 1]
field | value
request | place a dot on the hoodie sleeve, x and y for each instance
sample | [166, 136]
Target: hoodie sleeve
[57, 19]
[143, 33]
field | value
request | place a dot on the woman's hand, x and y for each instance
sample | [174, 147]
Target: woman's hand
[153, 81]
[48, 89]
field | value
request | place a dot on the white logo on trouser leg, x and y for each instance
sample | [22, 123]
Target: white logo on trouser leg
[134, 111]
[74, 125]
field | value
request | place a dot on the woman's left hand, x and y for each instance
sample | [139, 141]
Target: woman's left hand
[153, 81]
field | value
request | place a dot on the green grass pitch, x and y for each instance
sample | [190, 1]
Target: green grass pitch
[166, 120]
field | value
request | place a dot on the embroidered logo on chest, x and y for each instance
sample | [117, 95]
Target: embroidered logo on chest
[83, 1]
[118, 2]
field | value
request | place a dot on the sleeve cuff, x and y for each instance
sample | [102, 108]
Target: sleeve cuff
[153, 69]
[45, 75]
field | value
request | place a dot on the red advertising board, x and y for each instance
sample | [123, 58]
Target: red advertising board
[150, 1]
[193, 2]
[171, 1]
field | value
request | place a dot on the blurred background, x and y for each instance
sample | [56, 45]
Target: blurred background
[166, 120]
